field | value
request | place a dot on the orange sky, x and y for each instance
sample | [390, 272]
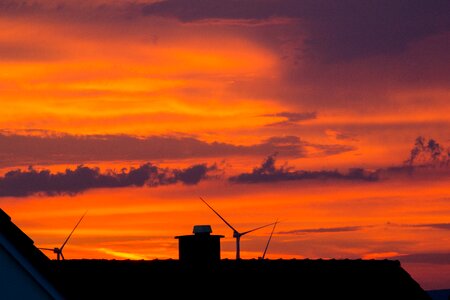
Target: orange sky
[115, 84]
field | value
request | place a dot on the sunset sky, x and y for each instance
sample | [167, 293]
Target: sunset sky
[331, 116]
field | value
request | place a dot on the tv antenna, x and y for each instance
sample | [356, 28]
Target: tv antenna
[59, 250]
[268, 241]
[236, 234]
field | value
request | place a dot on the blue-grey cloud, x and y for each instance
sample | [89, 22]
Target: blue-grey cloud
[22, 183]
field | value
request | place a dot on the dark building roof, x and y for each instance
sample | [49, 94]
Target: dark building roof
[251, 279]
[22, 248]
[23, 243]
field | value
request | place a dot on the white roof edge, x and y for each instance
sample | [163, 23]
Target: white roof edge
[37, 276]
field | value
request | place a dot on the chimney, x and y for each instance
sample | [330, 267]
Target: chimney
[201, 248]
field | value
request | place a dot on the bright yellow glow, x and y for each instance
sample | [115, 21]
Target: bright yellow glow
[121, 254]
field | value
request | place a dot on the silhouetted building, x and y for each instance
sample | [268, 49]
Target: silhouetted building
[24, 270]
[201, 248]
[26, 273]
[238, 279]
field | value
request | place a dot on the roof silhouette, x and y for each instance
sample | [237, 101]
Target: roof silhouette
[277, 279]
[251, 279]
[25, 257]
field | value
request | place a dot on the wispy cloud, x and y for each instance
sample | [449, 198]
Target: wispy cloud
[46, 148]
[440, 226]
[292, 118]
[54, 148]
[428, 159]
[428, 152]
[324, 230]
[339, 135]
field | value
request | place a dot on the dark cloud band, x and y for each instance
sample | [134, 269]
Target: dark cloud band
[428, 160]
[22, 183]
[18, 149]
[268, 172]
[324, 230]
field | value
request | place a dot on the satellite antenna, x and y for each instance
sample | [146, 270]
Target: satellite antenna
[236, 234]
[59, 250]
[268, 241]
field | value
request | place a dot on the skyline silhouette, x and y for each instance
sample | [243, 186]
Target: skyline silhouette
[329, 115]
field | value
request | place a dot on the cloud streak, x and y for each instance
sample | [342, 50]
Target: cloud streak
[44, 148]
[292, 118]
[324, 230]
[23, 183]
[440, 226]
